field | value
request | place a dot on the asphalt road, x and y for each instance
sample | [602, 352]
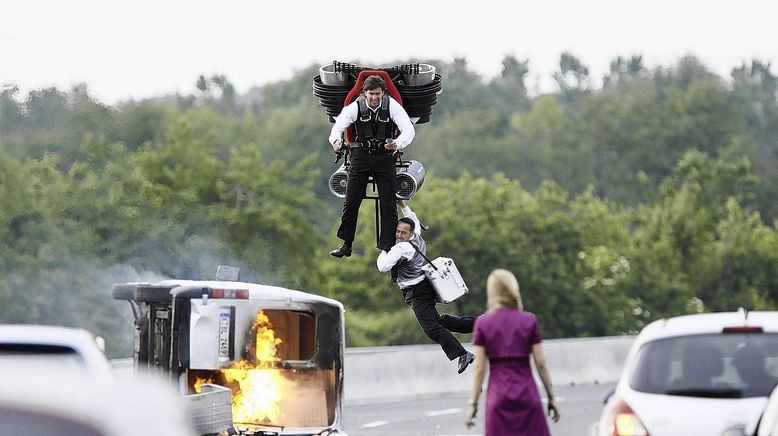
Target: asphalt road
[579, 405]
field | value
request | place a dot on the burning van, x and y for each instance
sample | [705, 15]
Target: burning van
[278, 351]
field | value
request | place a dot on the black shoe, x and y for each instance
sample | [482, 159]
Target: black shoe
[342, 250]
[464, 360]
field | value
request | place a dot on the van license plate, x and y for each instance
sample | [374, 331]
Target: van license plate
[224, 333]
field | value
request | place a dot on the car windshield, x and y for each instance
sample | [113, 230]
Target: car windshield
[726, 365]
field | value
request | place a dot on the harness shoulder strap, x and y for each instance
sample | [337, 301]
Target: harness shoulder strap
[363, 118]
[422, 255]
[364, 114]
[384, 115]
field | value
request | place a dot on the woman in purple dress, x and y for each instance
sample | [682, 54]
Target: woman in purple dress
[507, 336]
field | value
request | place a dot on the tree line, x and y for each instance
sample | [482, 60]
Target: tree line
[650, 195]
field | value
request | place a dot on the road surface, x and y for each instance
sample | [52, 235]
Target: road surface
[579, 406]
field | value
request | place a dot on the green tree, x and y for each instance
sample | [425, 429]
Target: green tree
[10, 112]
[572, 78]
[681, 239]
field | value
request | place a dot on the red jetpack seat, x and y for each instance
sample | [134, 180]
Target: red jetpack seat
[357, 90]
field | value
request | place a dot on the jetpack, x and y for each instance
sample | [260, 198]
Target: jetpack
[414, 86]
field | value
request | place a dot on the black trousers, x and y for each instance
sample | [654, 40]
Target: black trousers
[421, 299]
[381, 167]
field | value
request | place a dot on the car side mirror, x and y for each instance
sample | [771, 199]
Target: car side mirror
[608, 396]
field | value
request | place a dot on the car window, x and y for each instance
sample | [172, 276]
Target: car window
[731, 365]
[36, 350]
[40, 356]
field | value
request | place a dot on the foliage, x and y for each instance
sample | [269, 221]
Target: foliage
[652, 196]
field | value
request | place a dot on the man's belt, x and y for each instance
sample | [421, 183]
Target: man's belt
[415, 285]
[371, 145]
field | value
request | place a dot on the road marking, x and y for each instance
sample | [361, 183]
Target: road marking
[375, 424]
[558, 399]
[443, 412]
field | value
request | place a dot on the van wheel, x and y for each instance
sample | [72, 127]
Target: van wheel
[123, 291]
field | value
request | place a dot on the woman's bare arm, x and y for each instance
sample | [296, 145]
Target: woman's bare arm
[540, 365]
[479, 372]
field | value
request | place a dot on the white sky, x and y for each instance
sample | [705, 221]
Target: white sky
[139, 48]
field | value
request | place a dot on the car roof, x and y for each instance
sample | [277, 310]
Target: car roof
[707, 323]
[256, 291]
[44, 335]
[79, 340]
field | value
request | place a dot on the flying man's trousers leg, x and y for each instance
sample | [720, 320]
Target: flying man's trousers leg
[358, 173]
[421, 299]
[381, 166]
[385, 176]
[459, 324]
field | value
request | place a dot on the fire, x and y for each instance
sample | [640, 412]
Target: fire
[259, 396]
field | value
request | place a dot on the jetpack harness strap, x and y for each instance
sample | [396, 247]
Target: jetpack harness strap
[372, 126]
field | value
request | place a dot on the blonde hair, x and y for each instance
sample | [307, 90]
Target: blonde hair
[502, 290]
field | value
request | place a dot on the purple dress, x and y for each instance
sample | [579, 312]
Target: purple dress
[513, 404]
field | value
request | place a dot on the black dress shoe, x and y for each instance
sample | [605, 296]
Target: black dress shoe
[341, 251]
[464, 360]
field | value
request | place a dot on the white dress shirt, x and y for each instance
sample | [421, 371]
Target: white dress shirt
[388, 259]
[350, 113]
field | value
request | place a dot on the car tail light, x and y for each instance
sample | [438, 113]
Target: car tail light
[620, 420]
[743, 329]
[238, 294]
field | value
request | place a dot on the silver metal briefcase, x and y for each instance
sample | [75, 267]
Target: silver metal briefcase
[445, 279]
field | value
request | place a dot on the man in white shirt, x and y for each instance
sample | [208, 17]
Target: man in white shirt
[376, 117]
[404, 260]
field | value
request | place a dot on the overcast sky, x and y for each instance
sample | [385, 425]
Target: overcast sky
[139, 48]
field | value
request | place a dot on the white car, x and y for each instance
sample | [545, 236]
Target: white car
[768, 425]
[62, 350]
[33, 403]
[58, 382]
[705, 374]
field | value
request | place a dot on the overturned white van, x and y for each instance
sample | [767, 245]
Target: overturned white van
[279, 351]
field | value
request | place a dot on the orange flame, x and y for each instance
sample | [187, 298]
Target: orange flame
[259, 396]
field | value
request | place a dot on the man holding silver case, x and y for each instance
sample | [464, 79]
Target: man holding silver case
[405, 260]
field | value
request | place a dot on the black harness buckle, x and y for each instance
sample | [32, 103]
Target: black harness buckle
[372, 146]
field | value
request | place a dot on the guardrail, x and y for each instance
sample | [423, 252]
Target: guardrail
[415, 370]
[373, 373]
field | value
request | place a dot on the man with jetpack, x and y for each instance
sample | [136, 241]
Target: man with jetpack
[376, 117]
